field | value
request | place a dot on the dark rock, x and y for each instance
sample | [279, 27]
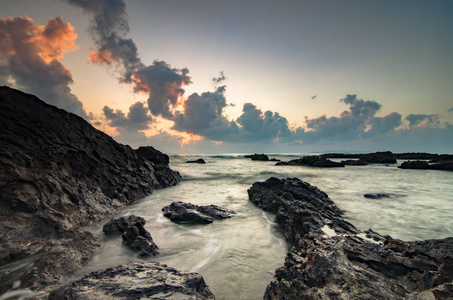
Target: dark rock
[352, 162]
[376, 195]
[443, 166]
[261, 157]
[386, 157]
[274, 159]
[311, 161]
[331, 259]
[139, 239]
[58, 173]
[136, 281]
[190, 213]
[118, 226]
[198, 161]
[416, 164]
[154, 155]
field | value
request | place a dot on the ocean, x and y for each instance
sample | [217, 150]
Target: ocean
[238, 256]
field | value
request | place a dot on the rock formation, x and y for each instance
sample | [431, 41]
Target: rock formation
[331, 259]
[136, 281]
[311, 161]
[260, 157]
[197, 161]
[424, 165]
[190, 213]
[58, 173]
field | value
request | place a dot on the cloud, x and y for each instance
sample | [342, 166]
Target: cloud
[423, 120]
[164, 86]
[30, 56]
[136, 119]
[220, 79]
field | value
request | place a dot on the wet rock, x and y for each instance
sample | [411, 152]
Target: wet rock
[311, 161]
[57, 174]
[331, 259]
[260, 157]
[198, 161]
[118, 226]
[376, 195]
[190, 213]
[139, 239]
[136, 281]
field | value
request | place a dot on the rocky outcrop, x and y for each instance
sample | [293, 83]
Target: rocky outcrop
[260, 157]
[386, 157]
[136, 281]
[190, 213]
[58, 173]
[197, 161]
[352, 162]
[331, 259]
[311, 161]
[134, 234]
[424, 165]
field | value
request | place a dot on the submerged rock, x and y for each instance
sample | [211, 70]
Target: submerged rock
[376, 195]
[57, 174]
[331, 259]
[136, 281]
[311, 161]
[190, 213]
[198, 161]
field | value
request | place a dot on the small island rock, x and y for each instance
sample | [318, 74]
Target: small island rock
[198, 161]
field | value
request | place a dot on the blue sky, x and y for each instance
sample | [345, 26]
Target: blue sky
[291, 76]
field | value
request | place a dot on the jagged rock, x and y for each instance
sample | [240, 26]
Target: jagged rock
[261, 157]
[58, 173]
[331, 259]
[311, 161]
[187, 212]
[376, 195]
[198, 161]
[136, 281]
[118, 226]
[139, 239]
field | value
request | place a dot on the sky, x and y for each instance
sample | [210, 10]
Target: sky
[208, 76]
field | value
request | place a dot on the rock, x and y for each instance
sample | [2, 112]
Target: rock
[331, 259]
[136, 281]
[386, 157]
[198, 161]
[376, 195]
[261, 157]
[423, 165]
[443, 166]
[154, 155]
[274, 159]
[351, 162]
[311, 161]
[57, 174]
[139, 239]
[118, 226]
[190, 213]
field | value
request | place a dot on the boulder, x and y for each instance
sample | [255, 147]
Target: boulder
[118, 226]
[331, 259]
[139, 239]
[261, 157]
[190, 213]
[198, 161]
[58, 174]
[150, 280]
[311, 161]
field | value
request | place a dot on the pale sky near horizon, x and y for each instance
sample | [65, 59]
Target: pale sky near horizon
[296, 59]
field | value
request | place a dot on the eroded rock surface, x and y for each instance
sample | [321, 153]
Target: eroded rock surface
[190, 213]
[58, 173]
[136, 281]
[331, 259]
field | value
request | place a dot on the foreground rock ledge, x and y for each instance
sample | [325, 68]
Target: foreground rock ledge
[331, 259]
[136, 281]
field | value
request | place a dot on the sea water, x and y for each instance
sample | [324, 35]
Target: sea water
[238, 256]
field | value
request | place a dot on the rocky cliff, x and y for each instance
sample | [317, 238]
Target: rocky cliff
[58, 173]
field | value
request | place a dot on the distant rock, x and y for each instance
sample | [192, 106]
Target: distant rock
[386, 157]
[198, 161]
[260, 157]
[357, 162]
[58, 174]
[376, 195]
[311, 161]
[274, 159]
[423, 165]
[190, 213]
[150, 280]
[331, 259]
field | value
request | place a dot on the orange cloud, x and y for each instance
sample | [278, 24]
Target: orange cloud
[101, 57]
